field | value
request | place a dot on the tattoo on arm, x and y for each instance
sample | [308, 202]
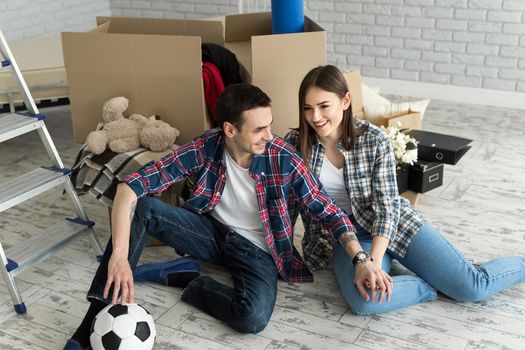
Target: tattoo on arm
[132, 213]
[346, 238]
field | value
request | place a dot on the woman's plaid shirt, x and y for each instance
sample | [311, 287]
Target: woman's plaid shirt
[370, 180]
[278, 173]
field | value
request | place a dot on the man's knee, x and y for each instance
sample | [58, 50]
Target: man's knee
[252, 315]
[251, 321]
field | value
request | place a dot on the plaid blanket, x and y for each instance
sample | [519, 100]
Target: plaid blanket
[100, 174]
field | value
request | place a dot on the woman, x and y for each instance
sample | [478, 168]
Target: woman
[355, 163]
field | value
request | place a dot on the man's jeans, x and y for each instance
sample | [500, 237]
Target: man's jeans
[247, 306]
[437, 265]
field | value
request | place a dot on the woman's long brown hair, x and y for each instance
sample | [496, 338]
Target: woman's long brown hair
[328, 78]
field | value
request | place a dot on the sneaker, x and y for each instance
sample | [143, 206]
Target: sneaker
[176, 273]
[74, 345]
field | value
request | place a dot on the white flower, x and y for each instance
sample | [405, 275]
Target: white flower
[405, 146]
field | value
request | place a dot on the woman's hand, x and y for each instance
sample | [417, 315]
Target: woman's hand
[370, 275]
[121, 277]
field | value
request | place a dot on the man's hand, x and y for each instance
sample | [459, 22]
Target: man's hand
[121, 277]
[370, 275]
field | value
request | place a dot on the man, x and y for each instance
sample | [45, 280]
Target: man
[237, 216]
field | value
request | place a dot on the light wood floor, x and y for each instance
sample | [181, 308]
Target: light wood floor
[480, 208]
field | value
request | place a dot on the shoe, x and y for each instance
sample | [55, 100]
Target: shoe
[176, 273]
[74, 345]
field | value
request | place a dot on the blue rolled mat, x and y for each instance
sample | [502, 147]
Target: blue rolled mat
[287, 16]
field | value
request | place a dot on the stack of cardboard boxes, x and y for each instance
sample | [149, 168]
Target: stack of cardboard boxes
[156, 64]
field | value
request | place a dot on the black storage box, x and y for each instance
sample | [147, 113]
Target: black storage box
[425, 176]
[402, 173]
[434, 147]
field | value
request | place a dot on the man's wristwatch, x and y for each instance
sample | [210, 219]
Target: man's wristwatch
[361, 257]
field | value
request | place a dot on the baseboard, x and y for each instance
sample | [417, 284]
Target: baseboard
[487, 97]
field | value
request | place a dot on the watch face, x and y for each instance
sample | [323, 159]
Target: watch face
[361, 256]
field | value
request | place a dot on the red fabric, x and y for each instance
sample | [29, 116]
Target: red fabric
[213, 87]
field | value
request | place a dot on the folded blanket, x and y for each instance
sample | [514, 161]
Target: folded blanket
[100, 174]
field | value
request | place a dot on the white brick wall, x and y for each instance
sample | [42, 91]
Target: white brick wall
[37, 18]
[475, 43]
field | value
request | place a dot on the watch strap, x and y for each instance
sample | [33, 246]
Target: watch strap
[357, 258]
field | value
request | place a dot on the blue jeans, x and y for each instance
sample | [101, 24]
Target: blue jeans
[247, 306]
[437, 265]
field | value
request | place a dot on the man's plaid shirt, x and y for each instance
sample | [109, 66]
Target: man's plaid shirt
[278, 173]
[370, 181]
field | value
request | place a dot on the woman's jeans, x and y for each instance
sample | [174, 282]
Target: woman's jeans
[437, 265]
[247, 306]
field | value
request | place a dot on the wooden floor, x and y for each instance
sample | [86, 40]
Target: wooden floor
[480, 208]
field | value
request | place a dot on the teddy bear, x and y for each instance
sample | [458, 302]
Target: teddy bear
[122, 134]
[157, 135]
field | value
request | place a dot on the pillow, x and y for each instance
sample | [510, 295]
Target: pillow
[374, 112]
[371, 96]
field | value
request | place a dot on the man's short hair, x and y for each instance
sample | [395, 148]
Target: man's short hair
[236, 99]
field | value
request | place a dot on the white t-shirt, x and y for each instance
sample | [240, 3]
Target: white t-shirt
[334, 184]
[238, 207]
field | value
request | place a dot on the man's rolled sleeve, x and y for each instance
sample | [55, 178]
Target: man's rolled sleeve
[309, 191]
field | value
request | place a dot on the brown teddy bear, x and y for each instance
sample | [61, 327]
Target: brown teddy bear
[157, 135]
[122, 134]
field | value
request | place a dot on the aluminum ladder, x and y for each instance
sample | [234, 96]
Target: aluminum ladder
[29, 185]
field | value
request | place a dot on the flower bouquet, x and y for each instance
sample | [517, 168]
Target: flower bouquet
[405, 152]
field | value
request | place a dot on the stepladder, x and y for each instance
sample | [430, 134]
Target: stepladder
[24, 187]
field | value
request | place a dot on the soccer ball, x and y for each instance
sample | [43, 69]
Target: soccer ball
[123, 327]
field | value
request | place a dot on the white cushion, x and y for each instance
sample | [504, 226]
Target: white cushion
[371, 96]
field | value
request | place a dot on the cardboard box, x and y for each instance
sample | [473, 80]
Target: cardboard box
[441, 148]
[44, 72]
[425, 176]
[155, 63]
[353, 79]
[412, 196]
[410, 120]
[275, 63]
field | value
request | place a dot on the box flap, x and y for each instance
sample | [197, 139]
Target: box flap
[243, 26]
[102, 66]
[353, 79]
[210, 31]
[243, 53]
[411, 121]
[270, 53]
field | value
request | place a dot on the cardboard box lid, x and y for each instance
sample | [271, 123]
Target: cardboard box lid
[438, 147]
[142, 67]
[353, 79]
[424, 166]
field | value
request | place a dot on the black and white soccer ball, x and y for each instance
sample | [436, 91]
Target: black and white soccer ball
[123, 327]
